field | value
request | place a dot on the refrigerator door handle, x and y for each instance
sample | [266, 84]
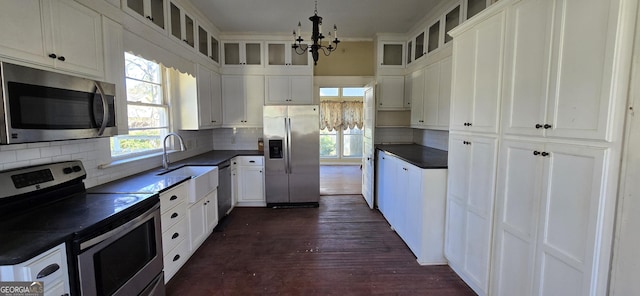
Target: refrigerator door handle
[286, 147]
[288, 120]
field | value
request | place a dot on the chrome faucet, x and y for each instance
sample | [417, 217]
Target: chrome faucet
[165, 158]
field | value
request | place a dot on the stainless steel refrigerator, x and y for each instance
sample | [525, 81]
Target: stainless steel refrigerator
[292, 155]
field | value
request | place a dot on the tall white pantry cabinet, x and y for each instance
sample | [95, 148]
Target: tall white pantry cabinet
[563, 77]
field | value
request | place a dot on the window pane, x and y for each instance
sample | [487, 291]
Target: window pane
[146, 117]
[328, 143]
[353, 92]
[141, 69]
[352, 145]
[328, 92]
[143, 92]
[137, 141]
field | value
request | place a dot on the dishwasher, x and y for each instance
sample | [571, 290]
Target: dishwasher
[224, 189]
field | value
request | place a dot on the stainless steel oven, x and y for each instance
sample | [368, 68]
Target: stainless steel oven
[126, 260]
[40, 105]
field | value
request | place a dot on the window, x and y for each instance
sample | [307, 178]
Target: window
[341, 137]
[147, 109]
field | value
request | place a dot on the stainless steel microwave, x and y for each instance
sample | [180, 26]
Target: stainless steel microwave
[40, 105]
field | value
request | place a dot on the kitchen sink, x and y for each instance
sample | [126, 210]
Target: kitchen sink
[204, 179]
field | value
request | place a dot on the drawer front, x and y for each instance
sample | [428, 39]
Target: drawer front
[251, 160]
[174, 235]
[173, 197]
[175, 259]
[53, 263]
[173, 216]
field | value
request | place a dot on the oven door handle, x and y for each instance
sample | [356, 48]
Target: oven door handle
[133, 223]
[105, 109]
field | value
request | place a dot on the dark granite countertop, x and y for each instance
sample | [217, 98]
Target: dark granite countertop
[150, 182]
[23, 236]
[418, 155]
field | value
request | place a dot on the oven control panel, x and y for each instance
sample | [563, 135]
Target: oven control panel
[39, 177]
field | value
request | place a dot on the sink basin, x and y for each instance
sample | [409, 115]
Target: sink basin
[204, 179]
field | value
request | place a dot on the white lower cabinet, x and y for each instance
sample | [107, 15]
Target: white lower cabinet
[175, 242]
[36, 269]
[203, 217]
[470, 196]
[412, 200]
[250, 181]
[547, 240]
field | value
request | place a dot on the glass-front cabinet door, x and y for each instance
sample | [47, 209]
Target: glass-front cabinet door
[434, 37]
[152, 10]
[391, 54]
[419, 50]
[476, 6]
[451, 20]
[182, 25]
[409, 52]
[242, 53]
[215, 49]
[203, 38]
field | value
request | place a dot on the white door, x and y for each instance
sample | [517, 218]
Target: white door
[368, 149]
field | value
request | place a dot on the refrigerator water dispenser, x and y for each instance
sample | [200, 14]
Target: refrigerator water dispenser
[275, 149]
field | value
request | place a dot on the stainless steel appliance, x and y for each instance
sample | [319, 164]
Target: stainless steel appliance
[40, 105]
[113, 240]
[292, 155]
[224, 189]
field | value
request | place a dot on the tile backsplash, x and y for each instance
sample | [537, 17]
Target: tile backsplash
[236, 138]
[94, 154]
[432, 138]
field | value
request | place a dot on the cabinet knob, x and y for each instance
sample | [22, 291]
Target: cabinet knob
[53, 55]
[176, 257]
[173, 197]
[547, 126]
[536, 153]
[544, 154]
[61, 58]
[538, 125]
[149, 18]
[175, 235]
[174, 215]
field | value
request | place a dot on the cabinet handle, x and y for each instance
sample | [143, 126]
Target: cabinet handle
[53, 55]
[404, 169]
[174, 215]
[61, 58]
[538, 125]
[547, 126]
[149, 18]
[175, 235]
[176, 257]
[173, 197]
[252, 161]
[48, 270]
[544, 154]
[536, 153]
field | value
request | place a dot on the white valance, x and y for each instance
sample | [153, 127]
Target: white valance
[345, 115]
[147, 50]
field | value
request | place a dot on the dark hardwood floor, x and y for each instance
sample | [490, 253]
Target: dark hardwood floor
[340, 248]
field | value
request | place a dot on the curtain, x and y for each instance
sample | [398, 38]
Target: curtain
[340, 115]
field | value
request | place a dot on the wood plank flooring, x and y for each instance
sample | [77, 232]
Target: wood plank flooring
[340, 248]
[340, 180]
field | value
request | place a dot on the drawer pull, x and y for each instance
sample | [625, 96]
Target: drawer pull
[176, 257]
[48, 270]
[173, 197]
[175, 235]
[252, 161]
[174, 215]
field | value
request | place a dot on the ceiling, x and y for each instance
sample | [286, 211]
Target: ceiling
[354, 18]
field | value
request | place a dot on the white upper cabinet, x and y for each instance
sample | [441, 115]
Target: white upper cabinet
[62, 34]
[242, 53]
[391, 93]
[149, 11]
[288, 89]
[477, 76]
[473, 7]
[182, 25]
[561, 70]
[281, 55]
[417, 98]
[203, 109]
[242, 100]
[390, 54]
[208, 45]
[451, 20]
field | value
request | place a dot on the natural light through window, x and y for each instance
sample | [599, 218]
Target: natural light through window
[146, 109]
[340, 136]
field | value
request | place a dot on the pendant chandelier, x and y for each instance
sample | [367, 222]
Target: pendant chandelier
[316, 37]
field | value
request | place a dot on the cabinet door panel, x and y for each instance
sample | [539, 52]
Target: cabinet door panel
[417, 97]
[431, 93]
[216, 99]
[454, 246]
[277, 89]
[528, 66]
[22, 35]
[204, 97]
[463, 80]
[77, 37]
[458, 168]
[482, 168]
[391, 92]
[585, 63]
[301, 88]
[444, 97]
[488, 74]
[233, 102]
[250, 184]
[254, 90]
[572, 201]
